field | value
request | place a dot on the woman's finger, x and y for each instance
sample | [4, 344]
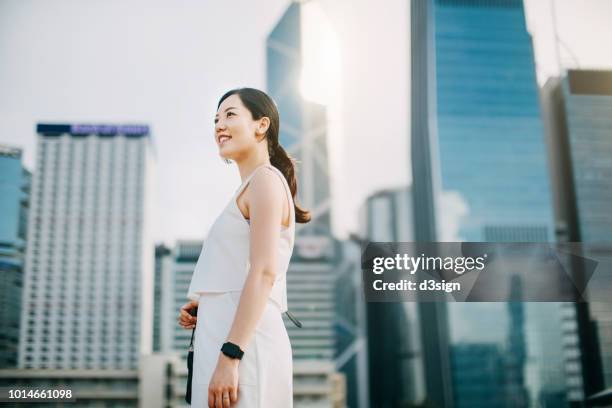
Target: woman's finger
[226, 399]
[219, 399]
[190, 305]
[184, 320]
[186, 315]
[211, 399]
[187, 323]
[188, 319]
[188, 326]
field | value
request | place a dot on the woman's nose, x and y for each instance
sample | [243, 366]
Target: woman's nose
[219, 126]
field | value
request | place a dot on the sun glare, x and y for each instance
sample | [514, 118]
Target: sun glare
[320, 56]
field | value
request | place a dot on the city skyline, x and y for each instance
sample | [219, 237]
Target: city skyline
[452, 90]
[133, 85]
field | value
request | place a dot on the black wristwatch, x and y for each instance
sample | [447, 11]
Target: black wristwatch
[232, 350]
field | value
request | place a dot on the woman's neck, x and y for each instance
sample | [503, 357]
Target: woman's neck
[246, 168]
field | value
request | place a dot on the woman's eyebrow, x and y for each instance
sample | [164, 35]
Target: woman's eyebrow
[231, 107]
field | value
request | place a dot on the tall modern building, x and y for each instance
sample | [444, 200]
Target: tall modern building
[396, 360]
[478, 138]
[14, 202]
[579, 119]
[89, 265]
[351, 325]
[303, 133]
[303, 130]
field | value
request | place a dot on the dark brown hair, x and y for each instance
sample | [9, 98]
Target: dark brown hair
[260, 105]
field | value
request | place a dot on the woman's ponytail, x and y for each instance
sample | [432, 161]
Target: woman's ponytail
[280, 159]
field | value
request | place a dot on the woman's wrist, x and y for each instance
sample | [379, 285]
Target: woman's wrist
[223, 359]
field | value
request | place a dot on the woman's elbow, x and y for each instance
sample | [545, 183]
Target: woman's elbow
[265, 273]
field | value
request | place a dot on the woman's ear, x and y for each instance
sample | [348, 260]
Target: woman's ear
[264, 125]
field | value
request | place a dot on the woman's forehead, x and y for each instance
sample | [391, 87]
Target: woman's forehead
[231, 101]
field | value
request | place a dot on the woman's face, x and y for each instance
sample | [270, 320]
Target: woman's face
[235, 129]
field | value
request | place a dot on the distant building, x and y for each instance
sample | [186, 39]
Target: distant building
[479, 166]
[579, 122]
[351, 325]
[396, 355]
[162, 265]
[176, 271]
[479, 375]
[303, 131]
[312, 273]
[88, 286]
[14, 203]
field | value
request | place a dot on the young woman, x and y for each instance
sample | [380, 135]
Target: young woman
[242, 354]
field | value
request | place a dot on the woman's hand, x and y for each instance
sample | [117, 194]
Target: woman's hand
[223, 386]
[186, 320]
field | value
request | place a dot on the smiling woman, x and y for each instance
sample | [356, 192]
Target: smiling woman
[239, 282]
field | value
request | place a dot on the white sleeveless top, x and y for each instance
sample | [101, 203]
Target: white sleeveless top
[223, 264]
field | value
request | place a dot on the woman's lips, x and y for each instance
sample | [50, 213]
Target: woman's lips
[223, 139]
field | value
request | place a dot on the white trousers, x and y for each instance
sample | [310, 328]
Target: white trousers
[265, 373]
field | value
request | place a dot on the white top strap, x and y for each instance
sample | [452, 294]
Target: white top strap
[249, 177]
[285, 186]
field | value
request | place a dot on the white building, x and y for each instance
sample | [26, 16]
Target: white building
[88, 291]
[176, 271]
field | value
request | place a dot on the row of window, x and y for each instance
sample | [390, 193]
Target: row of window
[103, 349]
[129, 335]
[76, 358]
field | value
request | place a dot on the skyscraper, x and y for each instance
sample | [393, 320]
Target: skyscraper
[89, 264]
[434, 335]
[303, 133]
[579, 122]
[14, 202]
[478, 138]
[395, 358]
[303, 129]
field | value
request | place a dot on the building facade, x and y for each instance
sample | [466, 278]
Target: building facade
[14, 203]
[480, 171]
[88, 285]
[176, 276]
[162, 265]
[578, 110]
[396, 360]
[312, 273]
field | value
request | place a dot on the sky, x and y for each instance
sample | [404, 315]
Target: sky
[167, 63]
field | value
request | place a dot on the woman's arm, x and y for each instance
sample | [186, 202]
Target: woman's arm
[266, 200]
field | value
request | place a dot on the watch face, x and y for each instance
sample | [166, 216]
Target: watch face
[232, 350]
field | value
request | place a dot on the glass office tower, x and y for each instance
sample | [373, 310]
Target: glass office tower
[579, 119]
[303, 129]
[316, 257]
[478, 134]
[395, 359]
[14, 202]
[490, 132]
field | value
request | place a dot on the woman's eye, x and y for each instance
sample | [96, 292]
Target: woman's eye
[230, 113]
